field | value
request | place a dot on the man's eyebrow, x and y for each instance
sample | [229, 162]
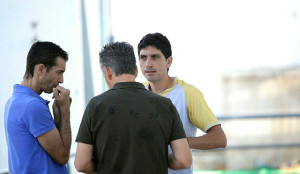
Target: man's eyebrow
[61, 70]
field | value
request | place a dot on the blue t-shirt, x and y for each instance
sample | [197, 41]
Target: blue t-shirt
[26, 117]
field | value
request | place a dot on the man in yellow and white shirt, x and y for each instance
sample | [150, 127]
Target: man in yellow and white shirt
[155, 58]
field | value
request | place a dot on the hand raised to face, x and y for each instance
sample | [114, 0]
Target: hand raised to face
[62, 96]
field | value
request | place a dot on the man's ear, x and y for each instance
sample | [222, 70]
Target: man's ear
[40, 69]
[136, 72]
[108, 73]
[169, 61]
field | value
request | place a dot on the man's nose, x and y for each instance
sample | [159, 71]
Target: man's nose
[149, 63]
[61, 79]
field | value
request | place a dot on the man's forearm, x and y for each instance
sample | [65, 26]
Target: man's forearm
[65, 129]
[84, 161]
[215, 138]
[174, 164]
[57, 115]
[181, 158]
[89, 168]
[57, 121]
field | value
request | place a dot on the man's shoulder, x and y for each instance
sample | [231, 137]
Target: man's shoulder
[158, 98]
[26, 102]
[184, 84]
[104, 97]
[35, 107]
[98, 98]
[109, 94]
[188, 88]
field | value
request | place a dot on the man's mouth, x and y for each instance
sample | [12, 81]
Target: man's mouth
[149, 71]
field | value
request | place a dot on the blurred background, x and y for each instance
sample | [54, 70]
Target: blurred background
[243, 55]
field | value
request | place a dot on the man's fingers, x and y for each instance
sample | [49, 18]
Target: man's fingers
[63, 90]
[55, 93]
[62, 96]
[60, 88]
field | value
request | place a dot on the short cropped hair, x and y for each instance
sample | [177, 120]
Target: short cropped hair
[119, 57]
[158, 41]
[43, 53]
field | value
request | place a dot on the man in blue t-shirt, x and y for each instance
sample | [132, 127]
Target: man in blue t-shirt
[37, 143]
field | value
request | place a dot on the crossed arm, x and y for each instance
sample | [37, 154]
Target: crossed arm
[57, 142]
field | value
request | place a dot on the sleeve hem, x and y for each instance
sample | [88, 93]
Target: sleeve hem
[83, 140]
[211, 125]
[44, 130]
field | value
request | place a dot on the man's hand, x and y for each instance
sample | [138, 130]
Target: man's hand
[62, 97]
[61, 103]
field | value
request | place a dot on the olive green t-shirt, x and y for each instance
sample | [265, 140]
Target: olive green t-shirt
[130, 129]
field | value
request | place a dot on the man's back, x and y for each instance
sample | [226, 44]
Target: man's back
[130, 129]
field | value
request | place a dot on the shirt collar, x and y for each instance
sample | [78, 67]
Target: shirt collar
[28, 91]
[121, 85]
[175, 81]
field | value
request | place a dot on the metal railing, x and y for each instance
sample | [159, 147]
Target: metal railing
[225, 118]
[261, 116]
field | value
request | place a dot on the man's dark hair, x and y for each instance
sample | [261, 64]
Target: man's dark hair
[118, 56]
[158, 41]
[43, 53]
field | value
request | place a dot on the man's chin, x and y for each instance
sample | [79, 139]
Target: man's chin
[49, 91]
[151, 79]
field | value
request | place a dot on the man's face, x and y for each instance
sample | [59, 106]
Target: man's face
[53, 77]
[153, 64]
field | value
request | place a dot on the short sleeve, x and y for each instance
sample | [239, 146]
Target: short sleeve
[199, 112]
[38, 119]
[85, 133]
[177, 131]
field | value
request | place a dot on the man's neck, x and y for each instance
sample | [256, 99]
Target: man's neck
[160, 86]
[124, 78]
[31, 83]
